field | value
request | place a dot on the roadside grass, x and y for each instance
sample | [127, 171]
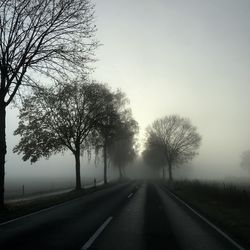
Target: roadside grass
[226, 205]
[20, 208]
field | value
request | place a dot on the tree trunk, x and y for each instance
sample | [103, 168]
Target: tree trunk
[3, 150]
[163, 172]
[78, 174]
[123, 172]
[120, 172]
[105, 161]
[170, 171]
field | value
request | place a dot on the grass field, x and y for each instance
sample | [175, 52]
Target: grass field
[227, 205]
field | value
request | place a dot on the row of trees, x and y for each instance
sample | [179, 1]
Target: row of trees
[170, 141]
[55, 39]
[78, 116]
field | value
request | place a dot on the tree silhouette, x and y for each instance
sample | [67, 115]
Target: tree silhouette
[245, 160]
[58, 118]
[123, 149]
[40, 36]
[121, 153]
[106, 129]
[117, 127]
[175, 138]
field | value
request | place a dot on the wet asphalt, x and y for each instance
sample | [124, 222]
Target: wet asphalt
[127, 216]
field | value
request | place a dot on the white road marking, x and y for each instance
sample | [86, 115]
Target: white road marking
[96, 234]
[207, 221]
[28, 215]
[41, 210]
[130, 195]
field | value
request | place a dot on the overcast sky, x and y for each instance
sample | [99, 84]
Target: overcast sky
[186, 57]
[190, 58]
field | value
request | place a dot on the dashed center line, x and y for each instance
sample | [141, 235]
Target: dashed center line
[130, 195]
[91, 240]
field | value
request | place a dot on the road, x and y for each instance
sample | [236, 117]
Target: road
[133, 215]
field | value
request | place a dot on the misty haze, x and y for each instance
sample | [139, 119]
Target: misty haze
[124, 124]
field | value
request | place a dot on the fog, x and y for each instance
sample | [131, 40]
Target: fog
[170, 57]
[185, 57]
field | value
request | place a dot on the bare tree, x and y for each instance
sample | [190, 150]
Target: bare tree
[122, 149]
[40, 36]
[245, 160]
[58, 118]
[174, 137]
[106, 129]
[116, 131]
[121, 153]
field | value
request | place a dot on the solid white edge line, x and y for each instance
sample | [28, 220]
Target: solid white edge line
[130, 195]
[40, 211]
[207, 221]
[96, 234]
[28, 215]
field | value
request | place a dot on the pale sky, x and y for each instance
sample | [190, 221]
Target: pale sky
[190, 58]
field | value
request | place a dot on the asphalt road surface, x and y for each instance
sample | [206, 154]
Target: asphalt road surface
[128, 216]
